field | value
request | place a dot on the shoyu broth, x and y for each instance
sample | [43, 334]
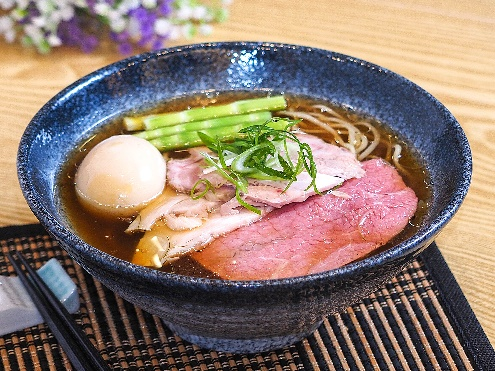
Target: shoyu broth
[108, 234]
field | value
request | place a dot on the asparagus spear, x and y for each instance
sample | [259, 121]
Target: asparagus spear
[151, 122]
[222, 123]
[228, 131]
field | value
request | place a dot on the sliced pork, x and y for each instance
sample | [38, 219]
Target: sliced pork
[179, 211]
[170, 244]
[334, 165]
[183, 173]
[322, 233]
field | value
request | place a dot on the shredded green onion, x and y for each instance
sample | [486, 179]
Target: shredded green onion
[197, 195]
[261, 152]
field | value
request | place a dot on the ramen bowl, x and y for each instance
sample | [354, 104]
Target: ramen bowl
[243, 316]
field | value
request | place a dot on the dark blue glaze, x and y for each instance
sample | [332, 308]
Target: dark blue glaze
[243, 316]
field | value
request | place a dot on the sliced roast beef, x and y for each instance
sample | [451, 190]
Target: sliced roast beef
[322, 233]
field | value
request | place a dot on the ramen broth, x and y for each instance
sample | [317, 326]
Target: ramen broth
[108, 234]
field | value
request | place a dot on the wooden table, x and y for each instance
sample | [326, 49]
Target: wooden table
[446, 47]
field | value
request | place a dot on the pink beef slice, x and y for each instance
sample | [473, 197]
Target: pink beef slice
[322, 233]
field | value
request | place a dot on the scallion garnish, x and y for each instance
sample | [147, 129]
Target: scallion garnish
[266, 152]
[195, 194]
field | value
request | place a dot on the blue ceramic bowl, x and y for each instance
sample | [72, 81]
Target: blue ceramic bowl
[243, 316]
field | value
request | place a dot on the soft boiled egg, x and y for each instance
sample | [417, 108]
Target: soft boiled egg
[120, 175]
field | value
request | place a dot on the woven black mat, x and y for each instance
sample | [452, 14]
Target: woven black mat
[418, 321]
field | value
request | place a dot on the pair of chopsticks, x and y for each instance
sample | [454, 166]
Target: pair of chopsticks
[81, 353]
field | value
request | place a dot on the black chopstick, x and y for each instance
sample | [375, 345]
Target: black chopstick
[81, 353]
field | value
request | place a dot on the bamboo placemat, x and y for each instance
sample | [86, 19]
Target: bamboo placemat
[420, 320]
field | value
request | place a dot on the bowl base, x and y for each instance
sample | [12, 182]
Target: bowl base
[232, 345]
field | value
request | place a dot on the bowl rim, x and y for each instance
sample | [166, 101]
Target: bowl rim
[119, 266]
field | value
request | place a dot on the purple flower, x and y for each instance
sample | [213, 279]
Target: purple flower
[165, 7]
[125, 48]
[129, 24]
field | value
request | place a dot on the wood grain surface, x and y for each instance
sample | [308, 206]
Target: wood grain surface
[447, 47]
